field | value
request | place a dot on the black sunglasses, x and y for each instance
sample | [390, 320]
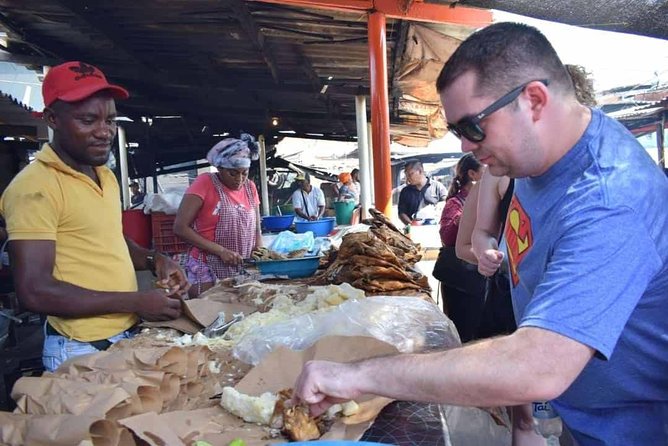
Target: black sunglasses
[469, 127]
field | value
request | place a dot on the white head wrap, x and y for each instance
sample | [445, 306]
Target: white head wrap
[232, 153]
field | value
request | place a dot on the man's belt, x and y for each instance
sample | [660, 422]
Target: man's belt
[100, 345]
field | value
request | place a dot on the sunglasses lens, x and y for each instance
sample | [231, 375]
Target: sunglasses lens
[468, 130]
[472, 132]
[455, 130]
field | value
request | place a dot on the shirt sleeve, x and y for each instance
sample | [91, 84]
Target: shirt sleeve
[32, 210]
[402, 206]
[452, 212]
[600, 267]
[256, 197]
[297, 199]
[321, 197]
[201, 186]
[442, 191]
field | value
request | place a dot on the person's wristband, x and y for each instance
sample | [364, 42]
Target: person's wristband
[150, 261]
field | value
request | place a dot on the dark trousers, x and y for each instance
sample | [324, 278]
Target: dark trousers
[498, 317]
[464, 309]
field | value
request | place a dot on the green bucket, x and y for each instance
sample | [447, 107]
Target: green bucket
[344, 211]
[286, 209]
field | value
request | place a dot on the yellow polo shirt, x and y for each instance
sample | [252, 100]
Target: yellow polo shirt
[48, 200]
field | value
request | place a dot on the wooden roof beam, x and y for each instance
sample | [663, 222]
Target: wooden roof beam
[331, 105]
[254, 33]
[416, 10]
[160, 78]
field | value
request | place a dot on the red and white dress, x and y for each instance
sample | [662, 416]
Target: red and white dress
[228, 218]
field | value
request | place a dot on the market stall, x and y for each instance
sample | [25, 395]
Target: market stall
[224, 369]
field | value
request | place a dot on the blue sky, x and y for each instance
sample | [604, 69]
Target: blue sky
[615, 59]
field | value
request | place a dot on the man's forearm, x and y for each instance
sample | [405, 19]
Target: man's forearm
[405, 219]
[138, 254]
[494, 372]
[301, 213]
[63, 299]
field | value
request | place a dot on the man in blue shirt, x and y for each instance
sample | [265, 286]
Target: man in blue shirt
[587, 235]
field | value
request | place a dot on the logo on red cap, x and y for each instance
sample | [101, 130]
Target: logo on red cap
[85, 70]
[76, 81]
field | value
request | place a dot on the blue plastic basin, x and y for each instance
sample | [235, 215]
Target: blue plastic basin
[293, 268]
[277, 222]
[320, 228]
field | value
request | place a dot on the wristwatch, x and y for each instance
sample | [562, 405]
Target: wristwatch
[150, 262]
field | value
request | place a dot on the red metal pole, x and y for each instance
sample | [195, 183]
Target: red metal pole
[380, 113]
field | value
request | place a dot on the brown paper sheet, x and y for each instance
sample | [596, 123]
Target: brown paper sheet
[134, 386]
[280, 369]
[183, 324]
[200, 313]
[55, 430]
[150, 428]
[53, 396]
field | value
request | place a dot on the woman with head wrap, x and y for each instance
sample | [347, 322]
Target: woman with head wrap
[347, 191]
[220, 215]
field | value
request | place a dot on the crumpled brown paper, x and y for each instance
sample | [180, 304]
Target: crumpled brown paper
[104, 387]
[113, 395]
[278, 371]
[59, 430]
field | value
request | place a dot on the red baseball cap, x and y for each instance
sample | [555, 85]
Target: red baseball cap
[74, 81]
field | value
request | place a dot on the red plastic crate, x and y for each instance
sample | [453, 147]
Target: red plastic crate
[164, 239]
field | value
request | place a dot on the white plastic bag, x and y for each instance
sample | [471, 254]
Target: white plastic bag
[287, 241]
[410, 324]
[168, 203]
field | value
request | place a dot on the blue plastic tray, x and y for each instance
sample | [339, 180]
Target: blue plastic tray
[320, 228]
[277, 222]
[293, 268]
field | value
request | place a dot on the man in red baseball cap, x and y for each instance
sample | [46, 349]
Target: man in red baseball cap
[75, 81]
[69, 256]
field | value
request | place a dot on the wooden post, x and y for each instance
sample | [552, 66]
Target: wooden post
[380, 114]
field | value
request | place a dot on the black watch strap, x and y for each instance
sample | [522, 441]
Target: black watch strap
[150, 262]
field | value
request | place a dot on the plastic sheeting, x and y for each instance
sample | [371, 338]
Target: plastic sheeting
[410, 324]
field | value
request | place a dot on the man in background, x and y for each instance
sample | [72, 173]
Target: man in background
[138, 196]
[419, 192]
[308, 200]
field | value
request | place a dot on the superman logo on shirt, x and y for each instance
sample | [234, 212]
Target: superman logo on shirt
[518, 237]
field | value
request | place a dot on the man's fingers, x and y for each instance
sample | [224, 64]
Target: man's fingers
[173, 302]
[318, 409]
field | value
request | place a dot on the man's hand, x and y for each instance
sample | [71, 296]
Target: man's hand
[157, 305]
[322, 384]
[313, 218]
[229, 257]
[170, 275]
[489, 262]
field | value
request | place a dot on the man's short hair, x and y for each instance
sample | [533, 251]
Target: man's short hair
[503, 56]
[413, 164]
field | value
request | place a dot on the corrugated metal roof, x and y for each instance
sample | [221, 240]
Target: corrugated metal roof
[222, 66]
